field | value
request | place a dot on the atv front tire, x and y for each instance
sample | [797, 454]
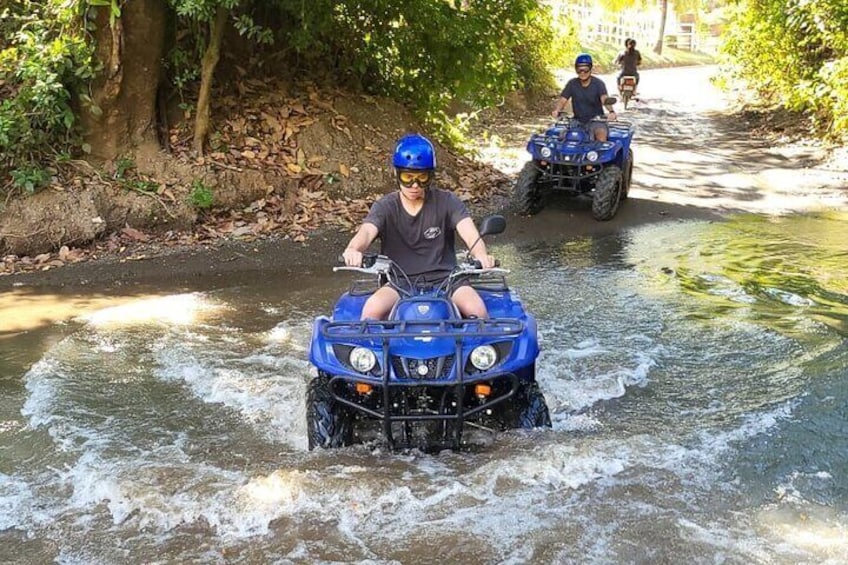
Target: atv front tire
[628, 176]
[607, 193]
[328, 423]
[535, 412]
[527, 198]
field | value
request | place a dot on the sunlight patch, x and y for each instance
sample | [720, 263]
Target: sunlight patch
[179, 309]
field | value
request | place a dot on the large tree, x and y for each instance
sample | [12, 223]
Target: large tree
[131, 47]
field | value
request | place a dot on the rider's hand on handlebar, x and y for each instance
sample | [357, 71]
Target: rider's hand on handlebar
[487, 262]
[352, 257]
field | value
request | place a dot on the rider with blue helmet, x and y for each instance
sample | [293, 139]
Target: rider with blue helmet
[587, 94]
[417, 225]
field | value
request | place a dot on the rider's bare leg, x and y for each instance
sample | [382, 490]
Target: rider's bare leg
[600, 134]
[469, 303]
[379, 304]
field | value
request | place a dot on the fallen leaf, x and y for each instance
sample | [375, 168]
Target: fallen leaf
[134, 234]
[344, 170]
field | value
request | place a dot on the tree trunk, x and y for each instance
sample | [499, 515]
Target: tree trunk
[659, 46]
[131, 51]
[207, 72]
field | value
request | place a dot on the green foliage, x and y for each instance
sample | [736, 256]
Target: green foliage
[794, 53]
[122, 166]
[201, 196]
[30, 179]
[44, 58]
[430, 53]
[193, 28]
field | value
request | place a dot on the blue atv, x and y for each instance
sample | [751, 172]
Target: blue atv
[566, 159]
[425, 375]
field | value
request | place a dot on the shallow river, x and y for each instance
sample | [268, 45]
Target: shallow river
[696, 374]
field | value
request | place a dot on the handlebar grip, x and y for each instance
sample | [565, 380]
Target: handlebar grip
[368, 260]
[478, 265]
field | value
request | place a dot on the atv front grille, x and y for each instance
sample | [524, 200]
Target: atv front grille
[423, 369]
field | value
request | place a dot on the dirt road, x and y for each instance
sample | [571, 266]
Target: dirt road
[693, 157]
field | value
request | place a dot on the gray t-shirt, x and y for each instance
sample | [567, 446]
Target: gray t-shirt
[629, 60]
[585, 100]
[423, 243]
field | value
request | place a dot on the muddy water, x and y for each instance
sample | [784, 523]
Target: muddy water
[696, 372]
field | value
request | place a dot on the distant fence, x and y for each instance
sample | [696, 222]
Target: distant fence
[595, 24]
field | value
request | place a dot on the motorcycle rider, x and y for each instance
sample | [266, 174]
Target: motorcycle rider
[629, 60]
[416, 225]
[587, 94]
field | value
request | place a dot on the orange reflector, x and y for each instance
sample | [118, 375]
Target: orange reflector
[363, 388]
[482, 389]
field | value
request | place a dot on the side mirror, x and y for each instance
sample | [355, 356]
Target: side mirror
[492, 225]
[610, 100]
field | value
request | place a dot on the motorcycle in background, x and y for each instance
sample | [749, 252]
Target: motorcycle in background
[626, 88]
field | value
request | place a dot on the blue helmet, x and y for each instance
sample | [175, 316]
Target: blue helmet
[414, 151]
[583, 59]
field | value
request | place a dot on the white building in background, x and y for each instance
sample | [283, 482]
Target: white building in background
[596, 23]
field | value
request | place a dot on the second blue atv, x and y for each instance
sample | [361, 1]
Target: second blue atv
[424, 376]
[565, 158]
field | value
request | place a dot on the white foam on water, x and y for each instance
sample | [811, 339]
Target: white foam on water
[560, 375]
[789, 298]
[15, 502]
[725, 287]
[41, 397]
[267, 390]
[293, 336]
[163, 489]
[717, 442]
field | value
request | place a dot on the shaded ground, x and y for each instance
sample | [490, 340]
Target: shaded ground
[694, 160]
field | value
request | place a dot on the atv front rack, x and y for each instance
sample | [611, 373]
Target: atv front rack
[386, 329]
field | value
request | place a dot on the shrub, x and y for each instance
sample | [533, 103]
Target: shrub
[44, 58]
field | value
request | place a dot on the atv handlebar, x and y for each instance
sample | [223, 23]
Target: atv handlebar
[372, 264]
[381, 265]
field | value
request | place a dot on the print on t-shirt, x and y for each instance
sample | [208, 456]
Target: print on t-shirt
[432, 233]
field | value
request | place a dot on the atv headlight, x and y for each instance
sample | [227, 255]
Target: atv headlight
[484, 357]
[545, 152]
[362, 359]
[592, 156]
